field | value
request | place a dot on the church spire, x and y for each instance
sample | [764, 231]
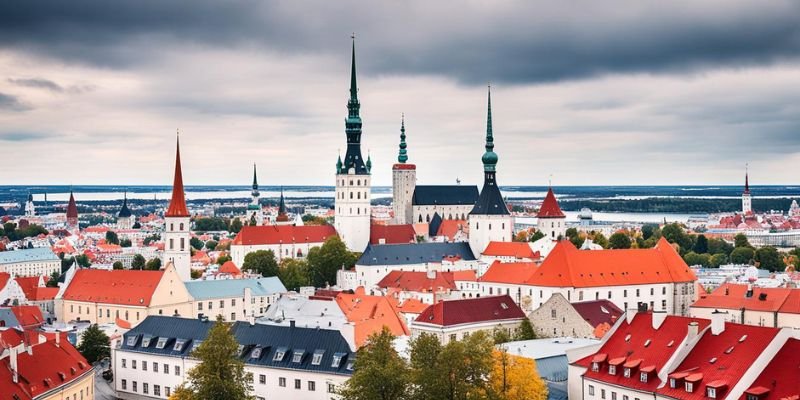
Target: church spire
[353, 159]
[489, 157]
[746, 180]
[177, 204]
[353, 86]
[402, 157]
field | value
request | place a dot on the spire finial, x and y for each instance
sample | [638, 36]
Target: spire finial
[353, 86]
[489, 157]
[402, 157]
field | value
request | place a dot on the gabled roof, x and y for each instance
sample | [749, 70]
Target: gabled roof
[471, 311]
[28, 316]
[429, 195]
[224, 288]
[490, 201]
[449, 228]
[510, 249]
[72, 208]
[722, 359]
[392, 234]
[433, 226]
[598, 312]
[413, 281]
[370, 314]
[229, 268]
[779, 377]
[5, 277]
[550, 208]
[283, 234]
[513, 272]
[123, 287]
[416, 253]
[177, 204]
[733, 296]
[567, 266]
[42, 370]
[28, 284]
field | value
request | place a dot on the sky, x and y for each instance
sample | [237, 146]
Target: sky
[583, 92]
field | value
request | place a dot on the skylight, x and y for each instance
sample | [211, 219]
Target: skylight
[162, 342]
[729, 350]
[179, 344]
[350, 364]
[743, 338]
[628, 337]
[504, 306]
[647, 342]
[712, 360]
[671, 342]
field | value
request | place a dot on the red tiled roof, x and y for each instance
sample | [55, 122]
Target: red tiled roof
[229, 268]
[43, 369]
[470, 311]
[28, 284]
[513, 272]
[72, 208]
[733, 296]
[392, 234]
[177, 204]
[779, 377]
[638, 340]
[125, 287]
[286, 234]
[370, 314]
[598, 312]
[413, 281]
[723, 358]
[465, 275]
[43, 293]
[567, 266]
[792, 303]
[510, 249]
[450, 228]
[28, 316]
[4, 278]
[412, 306]
[550, 208]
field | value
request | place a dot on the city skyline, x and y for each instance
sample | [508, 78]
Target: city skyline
[637, 95]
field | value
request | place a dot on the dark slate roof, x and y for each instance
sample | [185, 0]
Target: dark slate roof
[124, 212]
[490, 201]
[433, 226]
[268, 338]
[414, 253]
[444, 195]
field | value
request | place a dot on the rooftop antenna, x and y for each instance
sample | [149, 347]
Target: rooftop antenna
[458, 181]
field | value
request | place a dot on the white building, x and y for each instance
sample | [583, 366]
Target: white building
[747, 202]
[234, 299]
[30, 209]
[153, 359]
[38, 261]
[177, 226]
[551, 221]
[286, 241]
[404, 178]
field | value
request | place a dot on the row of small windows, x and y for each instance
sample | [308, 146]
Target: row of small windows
[172, 244]
[340, 195]
[145, 388]
[165, 369]
[172, 226]
[358, 211]
[449, 216]
[478, 226]
[298, 384]
[358, 182]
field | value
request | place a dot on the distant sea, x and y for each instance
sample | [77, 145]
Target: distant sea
[564, 193]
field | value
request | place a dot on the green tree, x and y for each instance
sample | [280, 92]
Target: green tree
[769, 259]
[674, 233]
[742, 255]
[262, 262]
[536, 236]
[600, 240]
[650, 230]
[619, 240]
[83, 261]
[111, 237]
[151, 238]
[196, 243]
[125, 243]
[223, 259]
[740, 240]
[236, 225]
[66, 262]
[154, 264]
[525, 331]
[53, 281]
[94, 344]
[427, 384]
[136, 225]
[693, 258]
[211, 244]
[220, 374]
[379, 373]
[719, 246]
[195, 274]
[718, 259]
[138, 262]
[210, 224]
[117, 265]
[253, 221]
[575, 237]
[500, 335]
[323, 262]
[701, 245]
[293, 273]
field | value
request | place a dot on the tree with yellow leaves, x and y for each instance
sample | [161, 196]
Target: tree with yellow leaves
[515, 378]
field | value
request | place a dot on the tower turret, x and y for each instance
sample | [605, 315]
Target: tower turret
[72, 212]
[254, 212]
[125, 217]
[404, 181]
[30, 210]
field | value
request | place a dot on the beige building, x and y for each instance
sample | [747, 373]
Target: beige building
[557, 317]
[451, 320]
[101, 296]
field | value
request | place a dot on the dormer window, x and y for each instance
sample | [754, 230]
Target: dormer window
[179, 344]
[612, 369]
[673, 383]
[643, 377]
[627, 372]
[279, 354]
[256, 353]
[689, 387]
[162, 342]
[196, 344]
[297, 357]
[146, 340]
[595, 367]
[317, 359]
[132, 340]
[711, 392]
[337, 360]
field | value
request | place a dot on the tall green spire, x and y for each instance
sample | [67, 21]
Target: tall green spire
[369, 162]
[353, 86]
[489, 157]
[339, 165]
[353, 159]
[255, 179]
[403, 156]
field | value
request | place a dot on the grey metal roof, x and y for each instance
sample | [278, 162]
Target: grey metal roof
[270, 339]
[413, 253]
[428, 195]
[27, 255]
[224, 288]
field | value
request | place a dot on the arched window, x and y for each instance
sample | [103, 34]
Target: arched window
[351, 182]
[182, 244]
[420, 218]
[428, 218]
[358, 182]
[359, 195]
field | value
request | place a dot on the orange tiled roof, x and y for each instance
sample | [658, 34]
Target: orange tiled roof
[177, 204]
[451, 227]
[370, 314]
[567, 266]
[124, 287]
[550, 208]
[418, 281]
[510, 249]
[733, 296]
[513, 272]
[230, 268]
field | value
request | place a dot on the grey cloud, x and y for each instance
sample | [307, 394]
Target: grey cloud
[523, 42]
[22, 136]
[37, 83]
[12, 103]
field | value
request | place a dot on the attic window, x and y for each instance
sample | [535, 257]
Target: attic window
[647, 342]
[162, 341]
[179, 344]
[279, 354]
[62, 375]
[196, 344]
[712, 360]
[337, 360]
[628, 337]
[743, 338]
[146, 340]
[504, 306]
[297, 357]
[132, 340]
[256, 353]
[317, 360]
[350, 364]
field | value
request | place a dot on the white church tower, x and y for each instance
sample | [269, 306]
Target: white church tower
[747, 202]
[353, 183]
[30, 210]
[176, 231]
[404, 180]
[489, 220]
[551, 220]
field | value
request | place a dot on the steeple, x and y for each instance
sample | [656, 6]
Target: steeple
[255, 181]
[353, 159]
[124, 212]
[177, 205]
[281, 204]
[369, 162]
[489, 157]
[339, 165]
[72, 207]
[402, 157]
[746, 180]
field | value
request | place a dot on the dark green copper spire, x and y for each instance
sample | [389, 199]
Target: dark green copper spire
[369, 162]
[339, 165]
[403, 156]
[489, 157]
[353, 159]
[255, 182]
[281, 204]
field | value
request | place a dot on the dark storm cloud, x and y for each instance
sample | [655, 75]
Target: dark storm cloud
[12, 103]
[525, 42]
[37, 83]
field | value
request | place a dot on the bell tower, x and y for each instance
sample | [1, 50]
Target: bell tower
[404, 180]
[177, 225]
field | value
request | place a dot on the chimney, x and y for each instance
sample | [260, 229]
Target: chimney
[291, 323]
[58, 339]
[692, 332]
[658, 318]
[14, 367]
[718, 322]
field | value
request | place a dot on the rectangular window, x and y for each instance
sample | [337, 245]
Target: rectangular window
[282, 382]
[199, 306]
[155, 366]
[177, 370]
[297, 384]
[123, 363]
[612, 369]
[317, 359]
[602, 393]
[222, 304]
[643, 377]
[133, 364]
[312, 386]
[233, 302]
[144, 365]
[689, 387]
[133, 385]
[145, 386]
[591, 390]
[124, 384]
[233, 316]
[166, 368]
[624, 397]
[156, 390]
[209, 305]
[613, 395]
[331, 388]
[712, 392]
[262, 379]
[167, 391]
[553, 314]
[627, 372]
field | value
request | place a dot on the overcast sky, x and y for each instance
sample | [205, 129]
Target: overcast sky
[621, 92]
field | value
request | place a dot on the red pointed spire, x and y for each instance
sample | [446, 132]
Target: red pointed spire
[72, 208]
[177, 205]
[550, 208]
